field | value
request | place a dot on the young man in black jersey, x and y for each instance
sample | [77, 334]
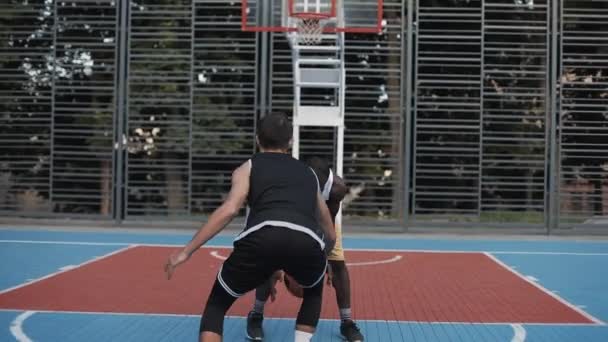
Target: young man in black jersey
[289, 227]
[333, 190]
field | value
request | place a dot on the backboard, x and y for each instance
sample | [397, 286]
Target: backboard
[360, 16]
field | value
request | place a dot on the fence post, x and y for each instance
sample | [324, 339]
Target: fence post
[554, 109]
[119, 144]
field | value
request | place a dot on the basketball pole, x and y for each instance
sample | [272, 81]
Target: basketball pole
[307, 60]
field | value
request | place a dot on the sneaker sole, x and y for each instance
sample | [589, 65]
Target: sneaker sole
[346, 340]
[254, 338]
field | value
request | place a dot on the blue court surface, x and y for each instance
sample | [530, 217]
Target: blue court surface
[573, 270]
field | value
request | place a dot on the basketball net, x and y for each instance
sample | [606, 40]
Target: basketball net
[310, 30]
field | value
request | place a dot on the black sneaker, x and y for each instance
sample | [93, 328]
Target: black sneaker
[350, 331]
[254, 326]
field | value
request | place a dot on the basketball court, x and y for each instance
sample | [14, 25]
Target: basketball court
[83, 285]
[101, 286]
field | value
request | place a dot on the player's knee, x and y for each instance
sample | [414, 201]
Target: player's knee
[217, 305]
[310, 310]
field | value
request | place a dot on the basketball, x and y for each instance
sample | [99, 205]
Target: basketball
[292, 286]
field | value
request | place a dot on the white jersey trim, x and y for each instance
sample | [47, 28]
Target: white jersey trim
[318, 279]
[283, 224]
[327, 186]
[225, 286]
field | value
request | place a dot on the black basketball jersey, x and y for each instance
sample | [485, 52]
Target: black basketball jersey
[282, 193]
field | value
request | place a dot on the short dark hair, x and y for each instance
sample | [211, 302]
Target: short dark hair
[275, 131]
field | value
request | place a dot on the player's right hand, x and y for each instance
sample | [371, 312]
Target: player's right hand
[175, 259]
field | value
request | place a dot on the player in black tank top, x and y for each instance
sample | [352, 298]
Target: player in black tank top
[283, 191]
[334, 189]
[289, 228]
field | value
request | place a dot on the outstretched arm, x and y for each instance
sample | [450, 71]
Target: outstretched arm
[218, 219]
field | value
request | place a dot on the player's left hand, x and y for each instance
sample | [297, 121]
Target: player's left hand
[175, 259]
[276, 277]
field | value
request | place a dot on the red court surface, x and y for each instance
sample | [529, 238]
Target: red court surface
[423, 287]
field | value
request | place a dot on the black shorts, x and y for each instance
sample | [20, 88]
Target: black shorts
[258, 255]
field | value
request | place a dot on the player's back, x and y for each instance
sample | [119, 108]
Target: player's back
[282, 189]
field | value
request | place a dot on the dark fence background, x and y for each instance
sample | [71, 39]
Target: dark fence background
[460, 113]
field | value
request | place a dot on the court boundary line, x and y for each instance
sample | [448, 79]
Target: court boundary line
[563, 301]
[69, 312]
[409, 250]
[60, 271]
[16, 326]
[519, 333]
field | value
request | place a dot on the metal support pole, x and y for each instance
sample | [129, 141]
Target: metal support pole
[340, 166]
[264, 17]
[406, 81]
[481, 108]
[553, 117]
[412, 121]
[52, 130]
[191, 112]
[295, 147]
[119, 144]
[340, 129]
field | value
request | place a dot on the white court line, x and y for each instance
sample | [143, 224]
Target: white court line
[69, 312]
[519, 333]
[86, 243]
[546, 291]
[365, 263]
[67, 267]
[17, 326]
[217, 255]
[533, 278]
[29, 282]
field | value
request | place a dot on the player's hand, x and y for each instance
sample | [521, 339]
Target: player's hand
[276, 277]
[175, 259]
[330, 275]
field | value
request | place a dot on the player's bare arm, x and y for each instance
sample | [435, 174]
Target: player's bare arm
[218, 219]
[338, 190]
[336, 195]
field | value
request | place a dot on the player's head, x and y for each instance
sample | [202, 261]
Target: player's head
[274, 132]
[321, 168]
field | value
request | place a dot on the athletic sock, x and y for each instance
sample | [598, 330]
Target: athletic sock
[345, 314]
[258, 306]
[302, 336]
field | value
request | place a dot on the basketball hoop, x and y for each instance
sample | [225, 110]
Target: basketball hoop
[309, 27]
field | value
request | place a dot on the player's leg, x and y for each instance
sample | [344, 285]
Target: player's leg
[255, 318]
[310, 311]
[306, 263]
[341, 283]
[247, 267]
[212, 322]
